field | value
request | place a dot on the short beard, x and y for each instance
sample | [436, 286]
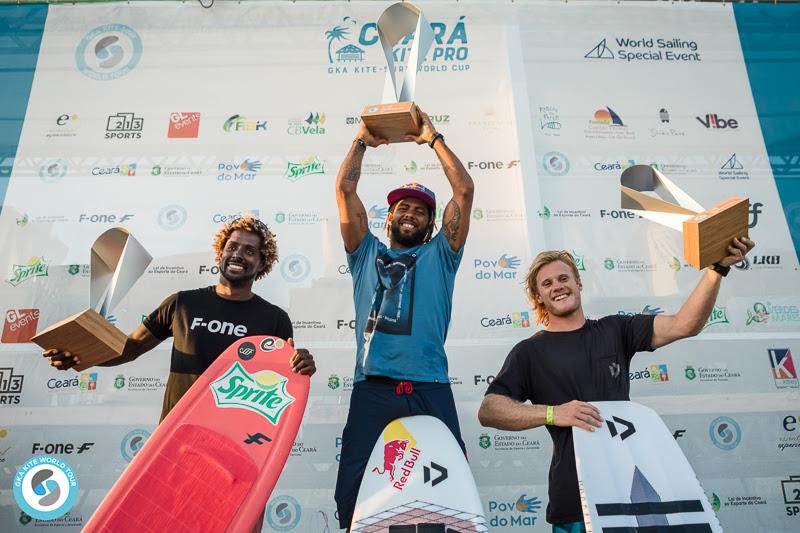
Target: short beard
[414, 239]
[237, 282]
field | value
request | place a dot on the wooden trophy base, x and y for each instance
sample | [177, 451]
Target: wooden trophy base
[87, 335]
[392, 121]
[706, 235]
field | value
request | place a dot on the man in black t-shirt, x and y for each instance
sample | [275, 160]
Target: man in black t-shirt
[575, 360]
[204, 322]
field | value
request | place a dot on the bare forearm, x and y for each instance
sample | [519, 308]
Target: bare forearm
[693, 314]
[505, 413]
[460, 180]
[350, 171]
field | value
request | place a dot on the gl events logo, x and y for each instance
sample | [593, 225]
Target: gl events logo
[108, 52]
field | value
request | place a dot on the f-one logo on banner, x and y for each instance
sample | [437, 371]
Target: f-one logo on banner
[45, 487]
[108, 52]
[20, 325]
[263, 392]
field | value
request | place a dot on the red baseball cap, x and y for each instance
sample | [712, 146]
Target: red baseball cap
[413, 190]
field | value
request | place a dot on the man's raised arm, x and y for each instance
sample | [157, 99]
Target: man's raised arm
[455, 220]
[352, 215]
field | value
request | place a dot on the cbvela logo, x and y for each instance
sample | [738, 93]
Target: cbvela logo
[36, 267]
[630, 49]
[108, 52]
[132, 442]
[504, 267]
[510, 513]
[308, 166]
[725, 433]
[263, 392]
[45, 487]
[313, 124]
[449, 52]
[283, 513]
[20, 325]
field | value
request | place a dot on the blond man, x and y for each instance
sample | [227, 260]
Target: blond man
[575, 360]
[204, 322]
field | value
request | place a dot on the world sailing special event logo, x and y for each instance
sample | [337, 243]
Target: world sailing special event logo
[350, 40]
[629, 49]
[263, 392]
[108, 52]
[45, 487]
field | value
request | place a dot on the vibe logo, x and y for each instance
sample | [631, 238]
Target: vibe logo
[712, 121]
[45, 487]
[725, 433]
[108, 52]
[783, 370]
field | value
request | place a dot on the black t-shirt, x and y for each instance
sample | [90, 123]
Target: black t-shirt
[587, 364]
[203, 325]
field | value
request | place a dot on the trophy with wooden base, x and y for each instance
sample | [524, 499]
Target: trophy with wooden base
[397, 116]
[706, 232]
[117, 262]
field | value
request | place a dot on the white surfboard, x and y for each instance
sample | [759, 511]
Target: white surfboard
[418, 481]
[633, 476]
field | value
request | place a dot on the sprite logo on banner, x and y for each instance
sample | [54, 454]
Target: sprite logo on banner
[35, 267]
[263, 392]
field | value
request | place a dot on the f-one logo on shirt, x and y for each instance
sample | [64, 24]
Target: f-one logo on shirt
[217, 326]
[263, 392]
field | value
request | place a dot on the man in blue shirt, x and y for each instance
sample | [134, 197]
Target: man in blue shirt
[403, 297]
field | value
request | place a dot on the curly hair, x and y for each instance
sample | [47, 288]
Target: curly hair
[269, 246]
[545, 258]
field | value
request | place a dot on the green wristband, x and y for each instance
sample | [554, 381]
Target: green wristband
[549, 418]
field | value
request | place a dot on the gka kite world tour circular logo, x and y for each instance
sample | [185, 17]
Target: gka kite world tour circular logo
[45, 487]
[108, 52]
[283, 513]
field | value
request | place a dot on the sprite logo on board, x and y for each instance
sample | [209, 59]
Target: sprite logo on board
[263, 392]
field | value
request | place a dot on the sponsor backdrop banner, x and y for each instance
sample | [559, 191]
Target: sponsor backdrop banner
[170, 120]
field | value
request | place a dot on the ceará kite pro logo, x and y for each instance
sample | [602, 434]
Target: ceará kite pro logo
[263, 392]
[108, 52]
[45, 487]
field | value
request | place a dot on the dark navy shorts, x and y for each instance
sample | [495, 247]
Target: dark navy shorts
[373, 404]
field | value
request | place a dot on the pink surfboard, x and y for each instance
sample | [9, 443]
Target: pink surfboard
[212, 463]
